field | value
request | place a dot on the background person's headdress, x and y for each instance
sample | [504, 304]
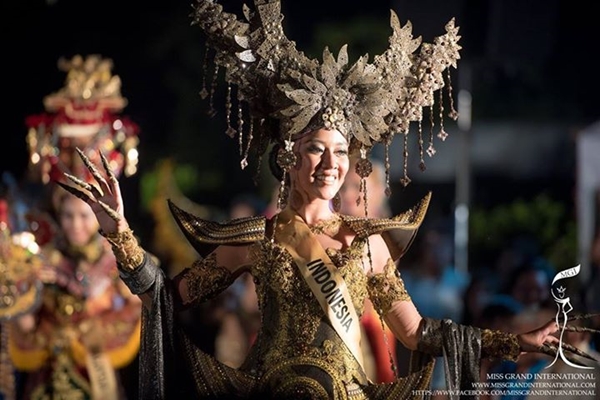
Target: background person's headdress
[85, 113]
[288, 93]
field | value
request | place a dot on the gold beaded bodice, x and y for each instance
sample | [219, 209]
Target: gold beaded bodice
[290, 310]
[294, 329]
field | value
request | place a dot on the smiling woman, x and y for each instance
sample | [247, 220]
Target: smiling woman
[313, 268]
[320, 170]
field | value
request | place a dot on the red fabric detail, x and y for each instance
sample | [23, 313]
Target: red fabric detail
[375, 335]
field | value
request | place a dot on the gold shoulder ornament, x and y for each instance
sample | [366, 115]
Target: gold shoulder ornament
[398, 232]
[205, 235]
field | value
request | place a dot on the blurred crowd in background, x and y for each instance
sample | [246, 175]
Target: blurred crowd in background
[528, 109]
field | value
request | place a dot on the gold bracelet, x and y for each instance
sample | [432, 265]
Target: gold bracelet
[127, 251]
[386, 288]
[497, 344]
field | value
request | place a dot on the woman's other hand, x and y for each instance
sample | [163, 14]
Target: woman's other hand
[533, 341]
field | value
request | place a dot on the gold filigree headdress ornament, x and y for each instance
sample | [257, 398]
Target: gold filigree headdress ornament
[85, 113]
[287, 93]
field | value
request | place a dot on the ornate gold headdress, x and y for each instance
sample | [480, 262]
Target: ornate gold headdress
[84, 114]
[288, 93]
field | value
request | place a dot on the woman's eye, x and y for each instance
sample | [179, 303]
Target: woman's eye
[315, 149]
[342, 152]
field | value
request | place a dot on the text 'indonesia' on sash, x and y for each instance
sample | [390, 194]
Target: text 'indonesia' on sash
[330, 288]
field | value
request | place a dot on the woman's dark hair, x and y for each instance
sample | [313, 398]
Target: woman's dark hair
[275, 169]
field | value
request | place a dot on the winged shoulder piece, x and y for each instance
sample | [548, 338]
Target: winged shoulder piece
[398, 232]
[205, 235]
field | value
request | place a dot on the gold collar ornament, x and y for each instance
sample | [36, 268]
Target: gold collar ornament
[287, 93]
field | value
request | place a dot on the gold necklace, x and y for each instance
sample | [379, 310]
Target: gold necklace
[329, 227]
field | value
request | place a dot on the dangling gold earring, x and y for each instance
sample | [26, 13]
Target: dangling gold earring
[284, 195]
[336, 202]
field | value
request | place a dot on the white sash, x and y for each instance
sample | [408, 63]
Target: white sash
[323, 278]
[102, 376]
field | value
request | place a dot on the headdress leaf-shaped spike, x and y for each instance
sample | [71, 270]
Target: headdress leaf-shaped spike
[355, 72]
[299, 121]
[292, 110]
[303, 97]
[329, 69]
[314, 85]
[359, 130]
[247, 12]
[342, 59]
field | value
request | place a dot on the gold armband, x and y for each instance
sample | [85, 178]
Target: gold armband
[127, 251]
[497, 344]
[386, 288]
[205, 280]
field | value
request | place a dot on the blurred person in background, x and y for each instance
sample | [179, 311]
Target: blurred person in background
[86, 328]
[529, 284]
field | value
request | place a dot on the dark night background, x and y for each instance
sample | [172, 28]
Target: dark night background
[531, 61]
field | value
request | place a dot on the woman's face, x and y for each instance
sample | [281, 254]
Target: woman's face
[77, 221]
[322, 164]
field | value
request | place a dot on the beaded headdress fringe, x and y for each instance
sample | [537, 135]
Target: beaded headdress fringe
[281, 92]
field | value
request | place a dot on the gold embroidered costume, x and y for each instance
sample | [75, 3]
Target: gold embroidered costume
[310, 298]
[301, 350]
[297, 353]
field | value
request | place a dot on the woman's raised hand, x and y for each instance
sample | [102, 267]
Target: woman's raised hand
[104, 198]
